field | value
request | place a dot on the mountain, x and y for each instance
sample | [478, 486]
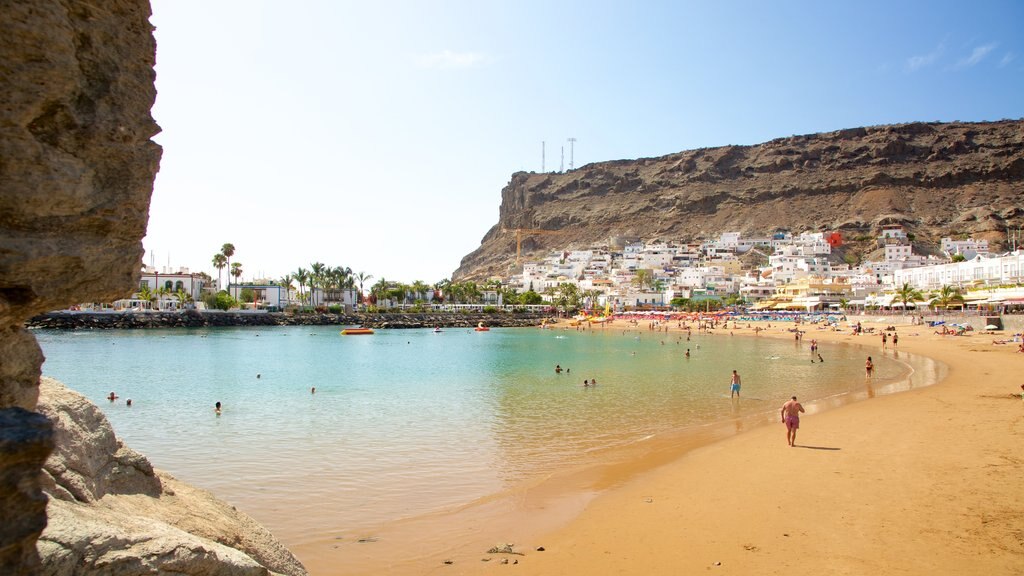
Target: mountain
[936, 179]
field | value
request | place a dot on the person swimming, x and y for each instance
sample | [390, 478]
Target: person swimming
[216, 408]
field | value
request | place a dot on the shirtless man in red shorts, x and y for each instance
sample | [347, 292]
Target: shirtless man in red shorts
[791, 418]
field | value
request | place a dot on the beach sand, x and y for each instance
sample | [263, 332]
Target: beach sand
[921, 482]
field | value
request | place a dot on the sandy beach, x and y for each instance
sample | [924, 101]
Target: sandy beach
[921, 482]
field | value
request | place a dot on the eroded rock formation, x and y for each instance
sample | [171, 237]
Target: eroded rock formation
[936, 179]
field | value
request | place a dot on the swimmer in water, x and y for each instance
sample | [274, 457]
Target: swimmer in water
[216, 408]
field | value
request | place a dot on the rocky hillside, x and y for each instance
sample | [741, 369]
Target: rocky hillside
[937, 179]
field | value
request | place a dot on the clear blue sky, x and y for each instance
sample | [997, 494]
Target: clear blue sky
[378, 135]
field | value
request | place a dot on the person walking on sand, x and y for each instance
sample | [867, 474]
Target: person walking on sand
[734, 387]
[791, 418]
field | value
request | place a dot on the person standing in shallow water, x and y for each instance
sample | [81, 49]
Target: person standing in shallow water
[734, 386]
[869, 367]
[791, 418]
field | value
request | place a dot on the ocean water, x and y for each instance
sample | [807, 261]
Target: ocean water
[405, 423]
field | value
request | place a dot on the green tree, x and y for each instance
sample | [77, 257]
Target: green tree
[379, 291]
[145, 294]
[419, 289]
[958, 258]
[643, 278]
[947, 296]
[236, 270]
[302, 277]
[531, 298]
[227, 250]
[907, 294]
[219, 262]
[362, 278]
[248, 295]
[567, 296]
[183, 298]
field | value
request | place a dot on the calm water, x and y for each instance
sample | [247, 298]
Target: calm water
[408, 422]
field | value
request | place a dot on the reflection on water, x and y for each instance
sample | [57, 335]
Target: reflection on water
[406, 423]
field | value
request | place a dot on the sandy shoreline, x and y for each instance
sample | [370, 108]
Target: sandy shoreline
[922, 482]
[925, 481]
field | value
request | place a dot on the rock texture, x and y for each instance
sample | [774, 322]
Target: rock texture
[112, 513]
[936, 179]
[76, 174]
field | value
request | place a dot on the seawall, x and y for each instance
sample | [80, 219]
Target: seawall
[68, 320]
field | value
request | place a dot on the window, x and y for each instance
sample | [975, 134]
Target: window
[179, 285]
[144, 285]
[168, 285]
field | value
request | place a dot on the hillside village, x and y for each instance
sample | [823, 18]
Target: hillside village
[783, 272]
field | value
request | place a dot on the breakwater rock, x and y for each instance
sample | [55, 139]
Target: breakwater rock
[68, 320]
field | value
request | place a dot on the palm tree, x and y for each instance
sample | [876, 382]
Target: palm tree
[907, 294]
[301, 276]
[219, 262]
[379, 291]
[317, 278]
[183, 298]
[228, 250]
[286, 282]
[363, 277]
[145, 294]
[643, 278]
[419, 288]
[947, 296]
[236, 271]
[568, 296]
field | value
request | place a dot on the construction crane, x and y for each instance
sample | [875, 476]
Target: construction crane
[519, 237]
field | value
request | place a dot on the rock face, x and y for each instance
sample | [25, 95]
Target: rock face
[112, 513]
[936, 179]
[76, 174]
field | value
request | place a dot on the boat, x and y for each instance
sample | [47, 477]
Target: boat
[438, 330]
[481, 328]
[356, 331]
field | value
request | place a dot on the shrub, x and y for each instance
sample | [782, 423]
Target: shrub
[334, 309]
[490, 310]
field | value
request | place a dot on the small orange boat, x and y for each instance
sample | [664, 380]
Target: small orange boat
[481, 328]
[356, 331]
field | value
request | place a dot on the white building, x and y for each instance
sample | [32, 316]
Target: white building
[969, 248]
[978, 271]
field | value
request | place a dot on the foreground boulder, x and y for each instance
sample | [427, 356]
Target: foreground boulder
[111, 512]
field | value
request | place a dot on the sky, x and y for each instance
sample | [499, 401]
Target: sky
[378, 135]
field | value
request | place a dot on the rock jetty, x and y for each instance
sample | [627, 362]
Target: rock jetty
[68, 320]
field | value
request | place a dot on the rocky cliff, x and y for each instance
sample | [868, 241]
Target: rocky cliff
[76, 174]
[936, 179]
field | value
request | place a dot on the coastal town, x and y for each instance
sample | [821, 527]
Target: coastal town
[781, 272]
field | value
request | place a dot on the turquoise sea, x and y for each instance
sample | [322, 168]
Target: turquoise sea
[405, 423]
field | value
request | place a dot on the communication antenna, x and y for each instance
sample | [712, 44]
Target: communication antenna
[572, 142]
[561, 164]
[542, 156]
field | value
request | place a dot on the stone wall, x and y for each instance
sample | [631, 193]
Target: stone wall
[76, 174]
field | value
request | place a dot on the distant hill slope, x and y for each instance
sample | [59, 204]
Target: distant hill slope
[936, 179]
